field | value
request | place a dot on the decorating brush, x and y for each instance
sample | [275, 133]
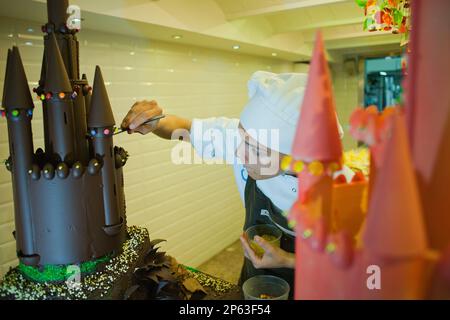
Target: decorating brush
[121, 130]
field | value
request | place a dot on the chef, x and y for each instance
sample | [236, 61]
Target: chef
[265, 132]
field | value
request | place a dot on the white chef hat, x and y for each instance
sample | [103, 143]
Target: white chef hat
[275, 103]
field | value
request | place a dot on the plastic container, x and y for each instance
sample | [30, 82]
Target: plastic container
[266, 287]
[268, 232]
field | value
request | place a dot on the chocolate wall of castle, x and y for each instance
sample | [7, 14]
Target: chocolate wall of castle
[68, 197]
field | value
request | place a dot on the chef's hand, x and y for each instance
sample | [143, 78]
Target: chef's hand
[141, 112]
[274, 257]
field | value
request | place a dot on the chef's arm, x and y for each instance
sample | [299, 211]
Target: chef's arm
[167, 126]
[143, 111]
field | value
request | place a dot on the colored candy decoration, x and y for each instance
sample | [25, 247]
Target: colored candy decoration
[48, 96]
[316, 168]
[3, 112]
[340, 179]
[42, 97]
[359, 176]
[299, 166]
[330, 248]
[15, 113]
[93, 132]
[292, 224]
[61, 95]
[30, 112]
[106, 132]
[307, 234]
[286, 163]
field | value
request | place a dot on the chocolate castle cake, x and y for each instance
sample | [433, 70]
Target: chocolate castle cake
[69, 198]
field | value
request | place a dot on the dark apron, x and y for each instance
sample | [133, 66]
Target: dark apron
[255, 202]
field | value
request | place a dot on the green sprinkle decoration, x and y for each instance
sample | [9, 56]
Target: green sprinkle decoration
[96, 281]
[55, 273]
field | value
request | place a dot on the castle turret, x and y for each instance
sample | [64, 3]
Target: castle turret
[101, 126]
[59, 113]
[395, 226]
[19, 106]
[317, 149]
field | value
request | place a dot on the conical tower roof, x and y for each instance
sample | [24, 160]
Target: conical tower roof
[16, 93]
[317, 135]
[395, 226]
[56, 78]
[100, 112]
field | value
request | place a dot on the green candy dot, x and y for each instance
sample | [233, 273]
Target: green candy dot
[331, 247]
[15, 113]
[307, 234]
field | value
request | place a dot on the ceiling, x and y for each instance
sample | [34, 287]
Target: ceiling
[282, 28]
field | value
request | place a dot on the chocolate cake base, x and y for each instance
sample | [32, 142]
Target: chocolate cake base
[110, 282]
[112, 279]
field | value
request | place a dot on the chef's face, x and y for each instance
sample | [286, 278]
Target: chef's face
[260, 162]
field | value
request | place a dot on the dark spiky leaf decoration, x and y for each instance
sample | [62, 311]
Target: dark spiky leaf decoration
[156, 278]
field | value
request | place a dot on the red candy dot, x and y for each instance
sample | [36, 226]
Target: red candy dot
[340, 179]
[359, 176]
[106, 132]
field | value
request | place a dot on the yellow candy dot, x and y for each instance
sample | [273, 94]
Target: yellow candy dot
[286, 163]
[292, 224]
[316, 168]
[299, 166]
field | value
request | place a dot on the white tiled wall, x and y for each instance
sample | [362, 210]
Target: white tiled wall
[196, 208]
[346, 91]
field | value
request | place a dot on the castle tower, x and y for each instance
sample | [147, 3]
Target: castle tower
[69, 49]
[395, 236]
[19, 110]
[317, 139]
[69, 202]
[101, 126]
[395, 225]
[317, 149]
[59, 106]
[428, 114]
